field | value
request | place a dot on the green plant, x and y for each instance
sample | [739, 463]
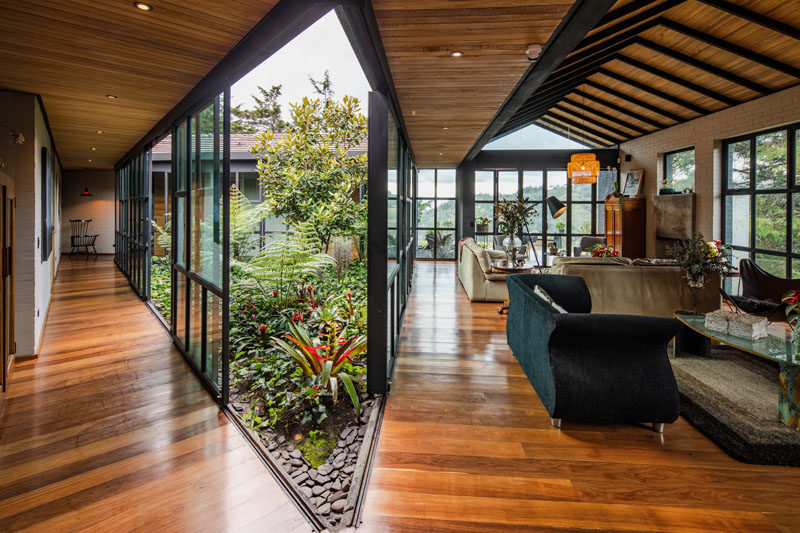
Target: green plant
[483, 220]
[322, 363]
[561, 226]
[792, 301]
[697, 258]
[317, 448]
[265, 115]
[244, 218]
[164, 239]
[512, 214]
[160, 285]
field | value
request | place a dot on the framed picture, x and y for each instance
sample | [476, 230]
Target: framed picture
[633, 182]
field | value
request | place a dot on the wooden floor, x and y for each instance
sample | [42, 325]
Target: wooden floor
[466, 445]
[108, 430]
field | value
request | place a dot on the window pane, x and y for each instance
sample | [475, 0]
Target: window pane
[737, 220]
[739, 165]
[679, 173]
[484, 185]
[213, 336]
[426, 183]
[195, 321]
[605, 184]
[734, 285]
[581, 192]
[771, 160]
[535, 220]
[248, 185]
[180, 232]
[581, 219]
[180, 308]
[771, 221]
[424, 246]
[601, 219]
[446, 213]
[533, 185]
[795, 268]
[507, 185]
[796, 223]
[425, 212]
[446, 183]
[485, 210]
[773, 264]
[557, 184]
[445, 244]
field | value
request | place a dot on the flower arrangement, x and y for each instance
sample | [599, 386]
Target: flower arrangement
[483, 220]
[698, 258]
[601, 250]
[512, 214]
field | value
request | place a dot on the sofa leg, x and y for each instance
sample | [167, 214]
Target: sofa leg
[556, 422]
[658, 428]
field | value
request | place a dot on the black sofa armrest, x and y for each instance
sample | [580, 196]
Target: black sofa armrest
[605, 326]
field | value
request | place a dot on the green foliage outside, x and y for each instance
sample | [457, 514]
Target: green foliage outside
[264, 116]
[160, 285]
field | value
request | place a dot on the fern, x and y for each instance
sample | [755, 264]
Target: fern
[244, 217]
[164, 239]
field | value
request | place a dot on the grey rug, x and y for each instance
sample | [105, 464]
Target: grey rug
[732, 397]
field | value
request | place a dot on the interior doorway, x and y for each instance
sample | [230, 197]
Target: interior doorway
[7, 220]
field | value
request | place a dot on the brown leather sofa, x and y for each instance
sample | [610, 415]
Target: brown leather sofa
[620, 287]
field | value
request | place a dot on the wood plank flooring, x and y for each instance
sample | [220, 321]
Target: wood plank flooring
[466, 445]
[109, 430]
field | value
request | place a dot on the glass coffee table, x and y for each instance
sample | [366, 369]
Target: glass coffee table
[696, 339]
[509, 268]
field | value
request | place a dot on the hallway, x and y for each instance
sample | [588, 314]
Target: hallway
[466, 445]
[109, 430]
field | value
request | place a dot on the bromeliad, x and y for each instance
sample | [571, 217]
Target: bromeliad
[323, 364]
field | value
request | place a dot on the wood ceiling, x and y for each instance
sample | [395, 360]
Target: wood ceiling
[651, 64]
[75, 52]
[462, 94]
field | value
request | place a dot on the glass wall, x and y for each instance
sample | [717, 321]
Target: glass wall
[133, 235]
[436, 214]
[761, 199]
[584, 216]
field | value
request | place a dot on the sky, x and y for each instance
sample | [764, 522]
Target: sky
[322, 46]
[532, 138]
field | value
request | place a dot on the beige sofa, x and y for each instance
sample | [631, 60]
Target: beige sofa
[476, 276]
[618, 286]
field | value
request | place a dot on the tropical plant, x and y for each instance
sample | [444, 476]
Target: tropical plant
[512, 214]
[792, 301]
[309, 175]
[160, 285]
[323, 364]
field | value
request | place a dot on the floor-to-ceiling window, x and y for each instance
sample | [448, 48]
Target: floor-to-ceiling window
[132, 236]
[584, 215]
[761, 199]
[436, 213]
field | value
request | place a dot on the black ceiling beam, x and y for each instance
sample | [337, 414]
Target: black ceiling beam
[620, 109]
[702, 65]
[752, 16]
[582, 115]
[730, 47]
[627, 23]
[655, 92]
[705, 91]
[551, 126]
[604, 115]
[609, 139]
[582, 17]
[574, 70]
[634, 100]
[616, 14]
[615, 43]
[543, 101]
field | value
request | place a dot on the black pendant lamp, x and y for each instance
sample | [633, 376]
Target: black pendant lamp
[86, 183]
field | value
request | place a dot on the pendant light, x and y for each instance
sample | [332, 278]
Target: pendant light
[583, 167]
[86, 183]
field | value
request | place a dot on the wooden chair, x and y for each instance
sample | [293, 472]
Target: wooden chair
[81, 238]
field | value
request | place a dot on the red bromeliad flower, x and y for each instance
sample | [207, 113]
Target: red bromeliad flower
[792, 297]
[262, 328]
[274, 294]
[350, 301]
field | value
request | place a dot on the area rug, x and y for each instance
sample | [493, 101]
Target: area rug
[732, 397]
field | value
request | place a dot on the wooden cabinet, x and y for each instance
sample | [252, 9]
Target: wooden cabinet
[625, 226]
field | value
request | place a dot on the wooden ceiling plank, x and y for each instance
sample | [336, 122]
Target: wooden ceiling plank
[655, 92]
[702, 65]
[621, 109]
[757, 18]
[626, 24]
[604, 139]
[575, 115]
[634, 101]
[621, 12]
[605, 116]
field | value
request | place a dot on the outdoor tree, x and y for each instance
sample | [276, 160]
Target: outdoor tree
[308, 174]
[265, 116]
[323, 87]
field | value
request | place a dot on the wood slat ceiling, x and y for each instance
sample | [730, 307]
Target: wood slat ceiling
[74, 52]
[651, 64]
[462, 94]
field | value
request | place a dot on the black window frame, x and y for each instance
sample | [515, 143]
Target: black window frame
[435, 199]
[679, 151]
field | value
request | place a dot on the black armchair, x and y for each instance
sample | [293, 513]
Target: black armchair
[611, 368]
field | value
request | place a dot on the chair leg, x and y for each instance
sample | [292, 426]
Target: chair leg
[556, 422]
[658, 427]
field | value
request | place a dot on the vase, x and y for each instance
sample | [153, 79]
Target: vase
[510, 245]
[694, 284]
[482, 228]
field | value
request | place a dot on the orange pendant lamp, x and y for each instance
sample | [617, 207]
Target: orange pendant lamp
[583, 168]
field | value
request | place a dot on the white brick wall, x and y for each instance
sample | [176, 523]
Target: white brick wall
[706, 134]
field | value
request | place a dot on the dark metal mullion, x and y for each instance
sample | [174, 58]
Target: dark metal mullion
[226, 200]
[568, 244]
[187, 232]
[174, 229]
[790, 173]
[753, 195]
[435, 211]
[203, 331]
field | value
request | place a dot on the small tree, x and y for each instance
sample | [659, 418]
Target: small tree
[308, 176]
[265, 116]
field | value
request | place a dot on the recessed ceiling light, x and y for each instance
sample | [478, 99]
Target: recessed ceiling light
[111, 96]
[142, 6]
[99, 131]
[90, 161]
[456, 53]
[445, 128]
[94, 149]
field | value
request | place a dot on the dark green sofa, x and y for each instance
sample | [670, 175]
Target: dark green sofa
[593, 367]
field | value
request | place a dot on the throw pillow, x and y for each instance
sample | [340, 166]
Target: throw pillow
[541, 293]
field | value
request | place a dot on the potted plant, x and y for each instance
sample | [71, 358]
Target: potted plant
[792, 301]
[601, 250]
[561, 227]
[552, 248]
[482, 225]
[698, 258]
[510, 216]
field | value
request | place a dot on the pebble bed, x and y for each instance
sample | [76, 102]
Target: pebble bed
[328, 485]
